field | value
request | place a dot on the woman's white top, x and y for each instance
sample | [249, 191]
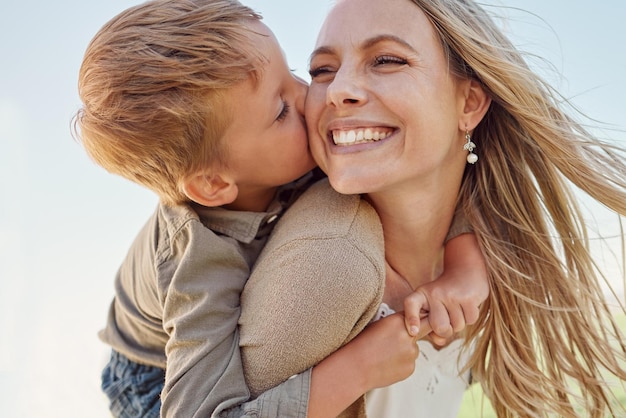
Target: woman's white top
[434, 390]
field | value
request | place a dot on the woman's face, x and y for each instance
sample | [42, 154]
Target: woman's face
[383, 110]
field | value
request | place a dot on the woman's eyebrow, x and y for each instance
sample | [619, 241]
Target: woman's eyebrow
[322, 50]
[368, 43]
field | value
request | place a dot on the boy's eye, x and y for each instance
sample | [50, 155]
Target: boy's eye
[284, 112]
[389, 59]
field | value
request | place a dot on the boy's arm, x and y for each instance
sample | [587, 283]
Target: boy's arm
[453, 300]
[285, 333]
[358, 367]
[289, 399]
[299, 307]
[204, 374]
[317, 284]
[341, 378]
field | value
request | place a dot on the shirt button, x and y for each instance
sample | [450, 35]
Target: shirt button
[272, 219]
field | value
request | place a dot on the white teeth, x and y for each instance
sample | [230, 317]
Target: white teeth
[358, 136]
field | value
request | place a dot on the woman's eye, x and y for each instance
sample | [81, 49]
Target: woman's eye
[389, 59]
[284, 112]
[318, 71]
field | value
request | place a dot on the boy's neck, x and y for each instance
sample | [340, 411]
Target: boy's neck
[252, 200]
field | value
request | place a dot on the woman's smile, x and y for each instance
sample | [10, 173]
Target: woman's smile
[359, 135]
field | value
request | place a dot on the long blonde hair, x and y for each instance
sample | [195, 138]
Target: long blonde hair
[547, 332]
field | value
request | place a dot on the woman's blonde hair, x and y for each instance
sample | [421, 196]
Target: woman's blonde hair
[152, 83]
[547, 331]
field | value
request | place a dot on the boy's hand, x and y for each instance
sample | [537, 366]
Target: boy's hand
[387, 351]
[453, 300]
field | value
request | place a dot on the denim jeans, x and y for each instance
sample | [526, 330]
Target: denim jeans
[133, 389]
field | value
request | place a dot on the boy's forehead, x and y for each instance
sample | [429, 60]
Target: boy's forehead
[265, 47]
[264, 40]
[261, 34]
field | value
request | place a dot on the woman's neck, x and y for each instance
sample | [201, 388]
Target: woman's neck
[415, 226]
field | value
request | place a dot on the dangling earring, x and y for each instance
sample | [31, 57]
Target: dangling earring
[469, 146]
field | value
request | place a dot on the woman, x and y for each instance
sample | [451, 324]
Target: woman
[418, 105]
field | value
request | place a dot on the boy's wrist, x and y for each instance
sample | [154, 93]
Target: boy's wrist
[337, 381]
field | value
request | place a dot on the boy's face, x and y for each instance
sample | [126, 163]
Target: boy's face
[267, 143]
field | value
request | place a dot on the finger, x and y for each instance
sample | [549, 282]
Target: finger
[457, 319]
[425, 329]
[415, 306]
[471, 314]
[440, 320]
[437, 340]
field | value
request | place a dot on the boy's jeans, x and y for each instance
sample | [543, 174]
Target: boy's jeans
[133, 389]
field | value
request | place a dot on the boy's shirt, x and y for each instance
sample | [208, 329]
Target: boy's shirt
[176, 304]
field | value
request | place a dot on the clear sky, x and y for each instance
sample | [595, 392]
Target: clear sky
[65, 224]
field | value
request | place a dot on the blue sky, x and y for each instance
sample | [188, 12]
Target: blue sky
[65, 224]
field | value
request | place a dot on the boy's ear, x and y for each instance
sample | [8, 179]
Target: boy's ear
[475, 105]
[211, 189]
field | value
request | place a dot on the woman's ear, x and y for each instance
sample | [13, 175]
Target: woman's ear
[214, 189]
[475, 104]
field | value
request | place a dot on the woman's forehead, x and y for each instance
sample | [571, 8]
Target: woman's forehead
[357, 22]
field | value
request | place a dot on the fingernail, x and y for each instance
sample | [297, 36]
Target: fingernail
[414, 330]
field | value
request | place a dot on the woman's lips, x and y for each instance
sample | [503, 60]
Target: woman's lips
[343, 137]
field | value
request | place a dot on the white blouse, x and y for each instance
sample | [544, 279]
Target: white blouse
[434, 390]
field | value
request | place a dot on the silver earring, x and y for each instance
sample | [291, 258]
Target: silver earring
[469, 146]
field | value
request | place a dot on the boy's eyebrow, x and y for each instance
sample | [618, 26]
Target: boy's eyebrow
[368, 43]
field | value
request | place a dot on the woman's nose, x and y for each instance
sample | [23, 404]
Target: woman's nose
[346, 89]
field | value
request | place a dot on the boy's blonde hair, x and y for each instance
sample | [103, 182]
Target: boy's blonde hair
[153, 82]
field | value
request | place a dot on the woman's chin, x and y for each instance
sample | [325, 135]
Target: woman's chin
[348, 185]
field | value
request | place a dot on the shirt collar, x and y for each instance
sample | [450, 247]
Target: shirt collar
[240, 225]
[246, 226]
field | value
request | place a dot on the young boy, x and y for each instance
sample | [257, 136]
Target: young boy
[194, 100]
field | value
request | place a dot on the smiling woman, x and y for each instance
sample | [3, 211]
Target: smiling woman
[443, 84]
